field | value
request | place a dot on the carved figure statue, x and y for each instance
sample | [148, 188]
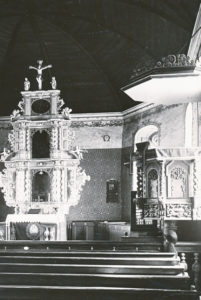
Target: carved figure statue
[78, 152]
[40, 81]
[54, 83]
[66, 112]
[26, 84]
[39, 70]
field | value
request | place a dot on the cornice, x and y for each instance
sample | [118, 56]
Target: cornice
[96, 119]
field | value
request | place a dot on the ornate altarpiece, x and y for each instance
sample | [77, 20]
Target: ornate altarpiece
[42, 177]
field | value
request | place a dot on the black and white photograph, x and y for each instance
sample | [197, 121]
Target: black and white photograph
[100, 149]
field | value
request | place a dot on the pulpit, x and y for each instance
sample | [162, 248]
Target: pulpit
[168, 184]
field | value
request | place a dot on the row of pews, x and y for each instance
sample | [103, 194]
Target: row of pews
[84, 270]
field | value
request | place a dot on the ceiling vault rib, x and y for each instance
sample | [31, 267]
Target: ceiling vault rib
[93, 61]
[159, 13]
[125, 36]
[9, 49]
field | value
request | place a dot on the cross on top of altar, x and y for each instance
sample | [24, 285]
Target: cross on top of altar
[39, 77]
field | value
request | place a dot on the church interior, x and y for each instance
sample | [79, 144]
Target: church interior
[100, 149]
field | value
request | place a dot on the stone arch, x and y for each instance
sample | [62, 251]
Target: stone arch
[148, 133]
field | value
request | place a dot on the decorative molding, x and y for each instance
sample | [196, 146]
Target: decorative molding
[98, 123]
[170, 61]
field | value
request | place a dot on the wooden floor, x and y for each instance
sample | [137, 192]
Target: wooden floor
[84, 270]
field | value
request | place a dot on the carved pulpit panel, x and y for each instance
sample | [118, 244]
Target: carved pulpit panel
[178, 180]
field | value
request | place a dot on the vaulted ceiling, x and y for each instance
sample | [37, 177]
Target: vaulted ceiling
[93, 46]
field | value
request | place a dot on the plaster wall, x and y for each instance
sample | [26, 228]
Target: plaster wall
[169, 119]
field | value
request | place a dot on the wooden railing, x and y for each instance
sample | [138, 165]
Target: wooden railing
[190, 254]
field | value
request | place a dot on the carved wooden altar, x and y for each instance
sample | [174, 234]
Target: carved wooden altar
[169, 186]
[42, 173]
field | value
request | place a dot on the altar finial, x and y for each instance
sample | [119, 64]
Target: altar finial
[39, 70]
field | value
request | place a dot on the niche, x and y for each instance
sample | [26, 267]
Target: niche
[41, 145]
[41, 187]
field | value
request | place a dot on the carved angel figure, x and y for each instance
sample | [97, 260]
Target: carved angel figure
[4, 154]
[78, 152]
[66, 112]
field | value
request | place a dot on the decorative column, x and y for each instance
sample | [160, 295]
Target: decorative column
[54, 104]
[62, 185]
[27, 101]
[56, 186]
[139, 181]
[20, 187]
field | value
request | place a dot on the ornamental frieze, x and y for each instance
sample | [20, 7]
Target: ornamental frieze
[101, 123]
[176, 210]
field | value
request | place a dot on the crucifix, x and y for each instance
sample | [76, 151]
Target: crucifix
[39, 70]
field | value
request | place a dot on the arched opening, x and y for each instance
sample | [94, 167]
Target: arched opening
[41, 187]
[152, 183]
[147, 133]
[41, 145]
[189, 125]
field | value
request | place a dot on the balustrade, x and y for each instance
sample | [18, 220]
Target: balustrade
[190, 254]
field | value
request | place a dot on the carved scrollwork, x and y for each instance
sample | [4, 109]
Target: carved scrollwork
[15, 115]
[7, 186]
[11, 139]
[151, 211]
[170, 61]
[60, 103]
[177, 210]
[76, 184]
[21, 106]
